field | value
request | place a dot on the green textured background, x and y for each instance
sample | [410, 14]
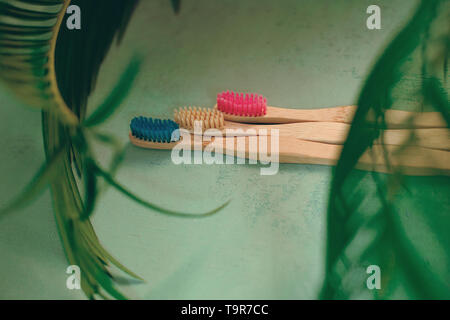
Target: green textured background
[269, 243]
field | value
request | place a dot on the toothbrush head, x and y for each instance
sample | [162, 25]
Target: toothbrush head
[154, 130]
[238, 104]
[210, 118]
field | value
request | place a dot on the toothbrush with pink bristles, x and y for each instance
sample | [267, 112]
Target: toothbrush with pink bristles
[253, 108]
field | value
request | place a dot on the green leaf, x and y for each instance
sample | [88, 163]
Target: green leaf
[90, 187]
[108, 257]
[149, 205]
[176, 4]
[59, 80]
[40, 181]
[79, 55]
[98, 273]
[389, 219]
[119, 151]
[118, 94]
[27, 37]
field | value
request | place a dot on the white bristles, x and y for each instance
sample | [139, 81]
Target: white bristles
[210, 118]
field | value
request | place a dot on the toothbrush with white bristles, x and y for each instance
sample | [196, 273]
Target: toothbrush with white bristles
[324, 132]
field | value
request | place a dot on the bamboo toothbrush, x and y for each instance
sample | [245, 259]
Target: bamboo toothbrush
[252, 108]
[159, 134]
[325, 132]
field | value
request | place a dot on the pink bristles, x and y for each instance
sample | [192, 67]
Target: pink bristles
[238, 104]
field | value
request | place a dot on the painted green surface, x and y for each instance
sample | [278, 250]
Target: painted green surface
[269, 242]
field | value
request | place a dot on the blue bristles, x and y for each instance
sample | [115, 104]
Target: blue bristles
[155, 130]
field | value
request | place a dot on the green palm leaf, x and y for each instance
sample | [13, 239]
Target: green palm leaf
[40, 181]
[396, 222]
[55, 69]
[28, 34]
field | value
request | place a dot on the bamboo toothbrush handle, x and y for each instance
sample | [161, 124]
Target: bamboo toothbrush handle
[165, 146]
[432, 138]
[336, 133]
[150, 145]
[282, 115]
[412, 160]
[343, 114]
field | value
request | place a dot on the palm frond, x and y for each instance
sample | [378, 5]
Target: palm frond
[28, 34]
[391, 220]
[79, 55]
[56, 70]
